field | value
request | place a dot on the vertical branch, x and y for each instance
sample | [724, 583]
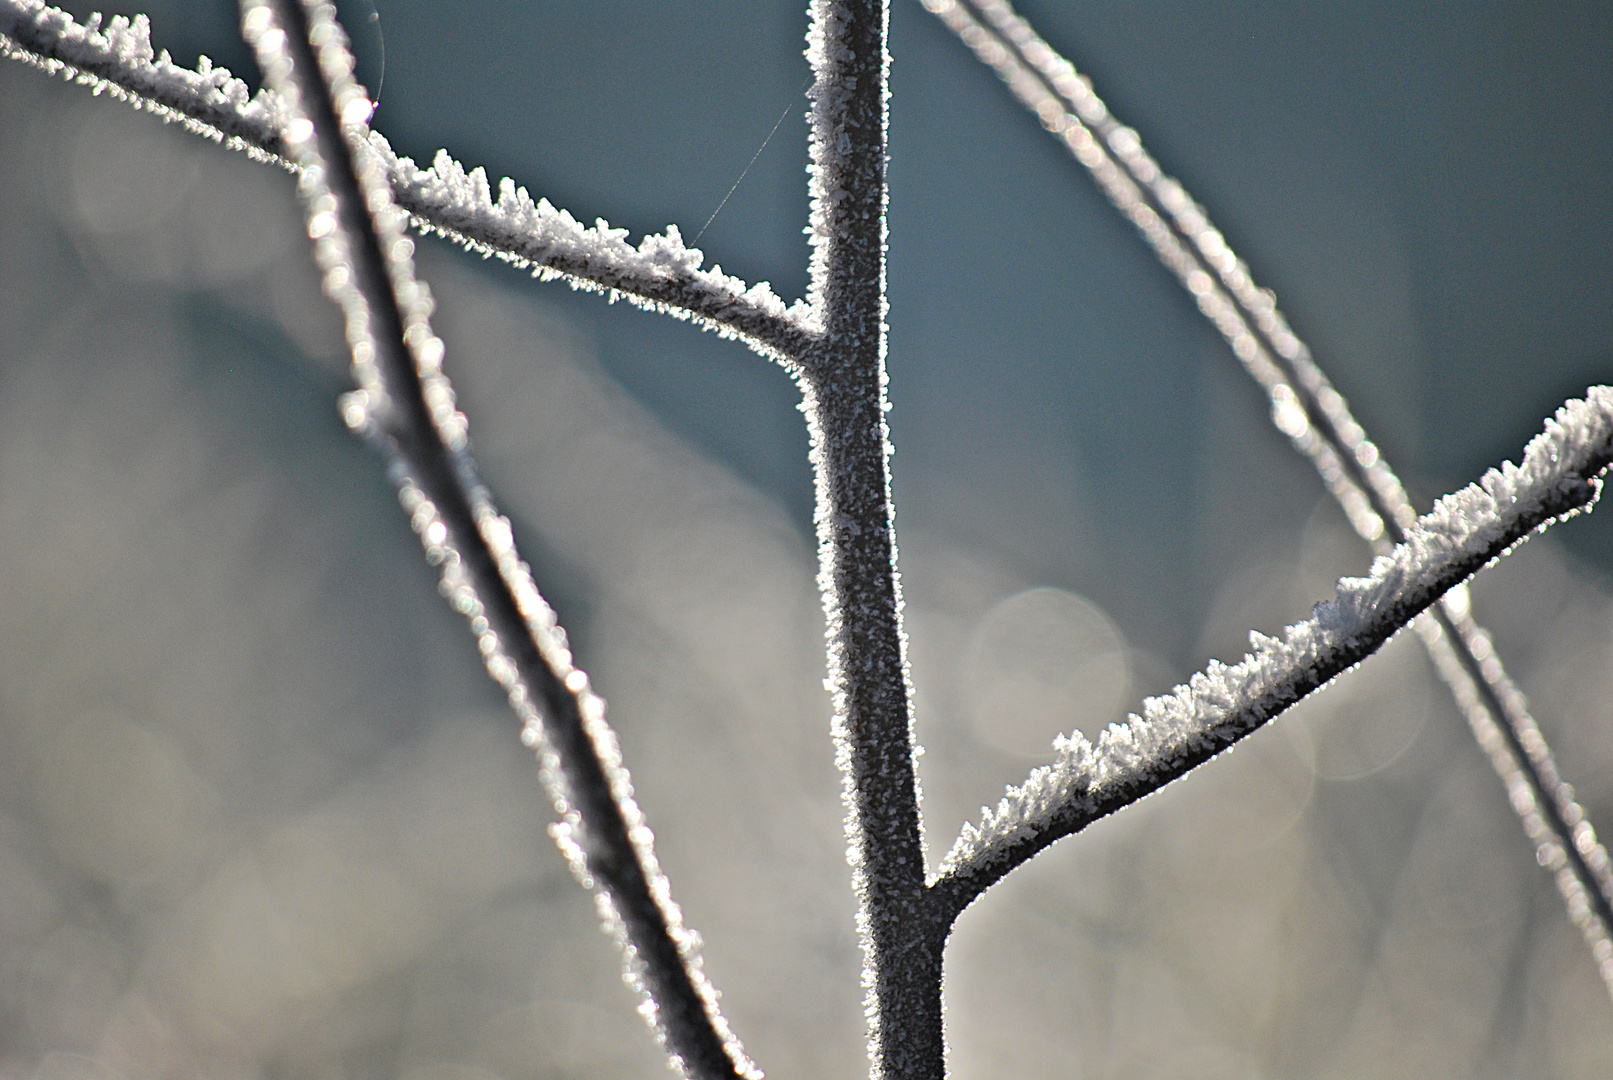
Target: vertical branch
[405, 405]
[844, 381]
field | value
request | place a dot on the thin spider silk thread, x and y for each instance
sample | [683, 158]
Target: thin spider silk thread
[746, 170]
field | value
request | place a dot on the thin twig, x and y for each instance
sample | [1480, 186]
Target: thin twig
[1317, 419]
[661, 273]
[1560, 475]
[405, 406]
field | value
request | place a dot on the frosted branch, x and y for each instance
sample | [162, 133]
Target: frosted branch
[1317, 419]
[844, 385]
[1560, 475]
[660, 273]
[405, 406]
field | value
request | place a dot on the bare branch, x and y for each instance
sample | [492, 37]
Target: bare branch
[1307, 408]
[660, 274]
[1560, 475]
[844, 383]
[405, 406]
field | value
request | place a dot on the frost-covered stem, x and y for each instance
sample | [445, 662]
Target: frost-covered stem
[1307, 408]
[1560, 474]
[405, 405]
[498, 220]
[844, 385]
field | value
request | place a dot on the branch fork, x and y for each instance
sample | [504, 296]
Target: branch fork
[358, 196]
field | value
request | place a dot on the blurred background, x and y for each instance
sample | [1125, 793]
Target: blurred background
[262, 815]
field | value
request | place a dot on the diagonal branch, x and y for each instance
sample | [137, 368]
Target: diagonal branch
[1317, 419]
[405, 406]
[1560, 476]
[661, 273]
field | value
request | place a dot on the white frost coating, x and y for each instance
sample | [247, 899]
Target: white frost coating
[118, 59]
[457, 587]
[1558, 477]
[661, 273]
[845, 384]
[370, 411]
[1316, 418]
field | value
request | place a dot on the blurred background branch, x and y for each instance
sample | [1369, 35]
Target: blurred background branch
[405, 406]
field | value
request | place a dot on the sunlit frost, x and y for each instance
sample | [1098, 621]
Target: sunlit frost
[1559, 476]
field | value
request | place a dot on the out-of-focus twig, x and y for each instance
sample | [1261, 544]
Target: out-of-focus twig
[405, 405]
